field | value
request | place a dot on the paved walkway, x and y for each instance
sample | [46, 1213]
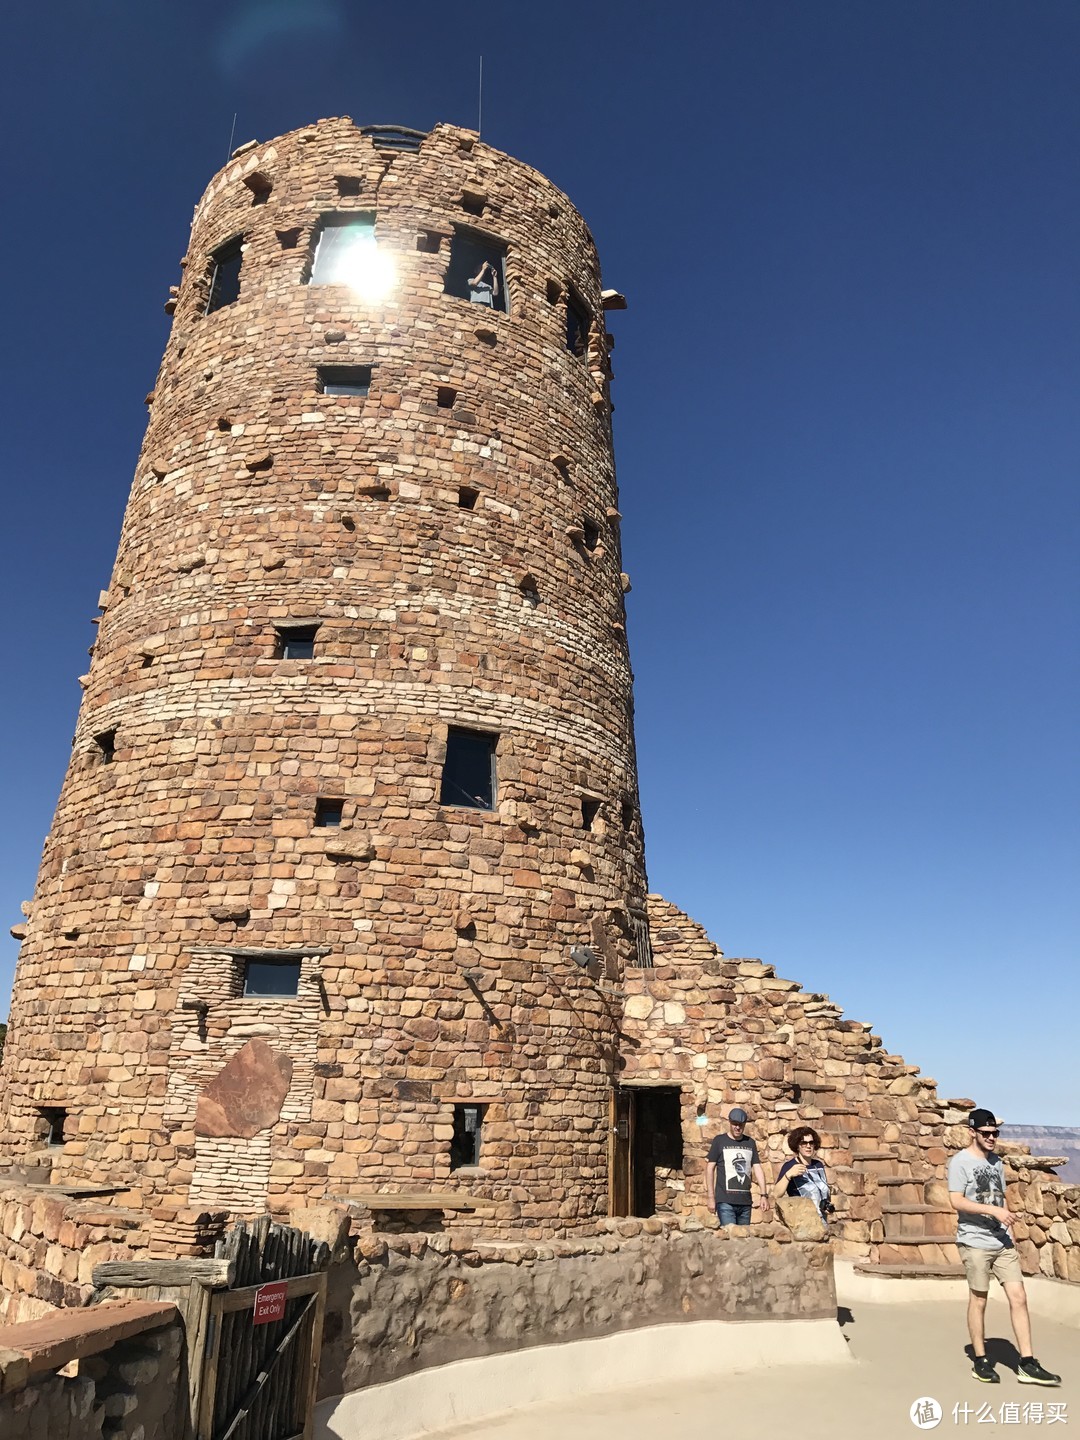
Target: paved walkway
[900, 1352]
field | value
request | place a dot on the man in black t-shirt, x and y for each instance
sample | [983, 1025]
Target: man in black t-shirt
[732, 1160]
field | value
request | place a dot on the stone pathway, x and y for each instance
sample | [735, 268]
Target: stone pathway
[900, 1352]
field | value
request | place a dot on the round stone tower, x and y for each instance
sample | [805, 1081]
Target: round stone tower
[348, 859]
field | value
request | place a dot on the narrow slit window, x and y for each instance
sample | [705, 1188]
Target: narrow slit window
[467, 497]
[466, 1140]
[55, 1121]
[578, 324]
[590, 812]
[477, 271]
[627, 814]
[225, 261]
[106, 743]
[344, 379]
[271, 979]
[468, 777]
[591, 537]
[296, 642]
[328, 812]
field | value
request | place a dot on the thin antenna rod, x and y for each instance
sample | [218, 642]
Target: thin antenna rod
[480, 101]
[232, 137]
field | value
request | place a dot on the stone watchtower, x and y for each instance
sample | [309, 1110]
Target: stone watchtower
[348, 857]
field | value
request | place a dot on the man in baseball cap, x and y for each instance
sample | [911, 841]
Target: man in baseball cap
[731, 1161]
[984, 1240]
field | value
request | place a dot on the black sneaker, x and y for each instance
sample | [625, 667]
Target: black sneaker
[1030, 1372]
[984, 1371]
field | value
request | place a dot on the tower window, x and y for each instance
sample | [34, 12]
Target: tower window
[590, 812]
[477, 271]
[348, 184]
[272, 979]
[106, 743]
[345, 247]
[225, 274]
[55, 1120]
[468, 777]
[446, 395]
[296, 642]
[465, 1143]
[578, 324]
[428, 242]
[591, 537]
[344, 379]
[467, 497]
[328, 812]
[627, 814]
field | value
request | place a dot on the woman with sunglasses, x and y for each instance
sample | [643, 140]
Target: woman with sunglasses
[805, 1174]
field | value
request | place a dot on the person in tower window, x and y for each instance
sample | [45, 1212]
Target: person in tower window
[484, 286]
[732, 1166]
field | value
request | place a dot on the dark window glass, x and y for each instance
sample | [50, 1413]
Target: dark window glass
[271, 977]
[468, 776]
[225, 276]
[344, 379]
[106, 743]
[465, 1144]
[577, 326]
[296, 642]
[342, 241]
[328, 812]
[477, 271]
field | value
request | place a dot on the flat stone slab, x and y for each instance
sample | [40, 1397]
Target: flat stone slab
[67, 1335]
[247, 1093]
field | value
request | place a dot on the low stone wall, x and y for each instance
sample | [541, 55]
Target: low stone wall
[1048, 1234]
[404, 1302]
[127, 1359]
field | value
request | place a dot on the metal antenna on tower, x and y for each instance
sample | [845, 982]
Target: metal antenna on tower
[232, 137]
[480, 101]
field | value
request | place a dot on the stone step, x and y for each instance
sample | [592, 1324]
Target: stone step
[918, 1222]
[913, 1270]
[930, 1249]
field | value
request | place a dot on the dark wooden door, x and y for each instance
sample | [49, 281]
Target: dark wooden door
[621, 1151]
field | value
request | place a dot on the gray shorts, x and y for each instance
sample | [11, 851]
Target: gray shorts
[980, 1264]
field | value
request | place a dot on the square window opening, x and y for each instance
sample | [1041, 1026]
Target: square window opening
[468, 777]
[54, 1122]
[466, 1140]
[296, 642]
[348, 184]
[447, 397]
[590, 812]
[343, 244]
[429, 242]
[225, 263]
[260, 186]
[344, 379]
[477, 271]
[578, 325]
[328, 813]
[106, 743]
[467, 497]
[271, 979]
[473, 202]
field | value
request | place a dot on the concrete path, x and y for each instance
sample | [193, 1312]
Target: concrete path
[900, 1352]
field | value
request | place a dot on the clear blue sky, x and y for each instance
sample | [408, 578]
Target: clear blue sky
[846, 427]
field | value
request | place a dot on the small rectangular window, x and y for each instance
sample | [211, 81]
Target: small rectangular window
[348, 184]
[343, 249]
[591, 537]
[467, 497]
[344, 379]
[590, 811]
[468, 777]
[477, 271]
[578, 324]
[296, 642]
[225, 274]
[106, 743]
[271, 978]
[54, 1120]
[328, 812]
[465, 1144]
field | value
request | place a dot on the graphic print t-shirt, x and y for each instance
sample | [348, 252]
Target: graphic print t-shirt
[982, 1179]
[734, 1161]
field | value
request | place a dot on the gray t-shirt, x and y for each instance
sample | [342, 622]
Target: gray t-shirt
[982, 1179]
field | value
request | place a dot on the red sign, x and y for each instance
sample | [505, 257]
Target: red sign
[270, 1303]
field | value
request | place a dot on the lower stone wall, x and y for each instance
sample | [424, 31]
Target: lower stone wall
[1048, 1233]
[400, 1303]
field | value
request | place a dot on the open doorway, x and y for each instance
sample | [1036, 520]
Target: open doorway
[646, 1145]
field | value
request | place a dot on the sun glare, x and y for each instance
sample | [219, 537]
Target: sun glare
[366, 270]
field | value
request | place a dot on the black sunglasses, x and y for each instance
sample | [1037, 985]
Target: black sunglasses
[988, 1134]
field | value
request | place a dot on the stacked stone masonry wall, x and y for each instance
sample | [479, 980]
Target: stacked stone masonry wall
[443, 933]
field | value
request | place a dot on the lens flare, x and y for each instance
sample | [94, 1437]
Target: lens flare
[367, 270]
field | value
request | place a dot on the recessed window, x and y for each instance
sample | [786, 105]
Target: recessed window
[328, 812]
[468, 777]
[578, 324]
[446, 395]
[344, 251]
[477, 271]
[348, 184]
[344, 379]
[473, 202]
[260, 186]
[271, 979]
[553, 290]
[465, 1143]
[225, 274]
[428, 242]
[467, 497]
[591, 537]
[106, 743]
[590, 812]
[296, 642]
[54, 1120]
[627, 814]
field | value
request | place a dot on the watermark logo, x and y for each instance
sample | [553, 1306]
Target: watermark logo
[925, 1413]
